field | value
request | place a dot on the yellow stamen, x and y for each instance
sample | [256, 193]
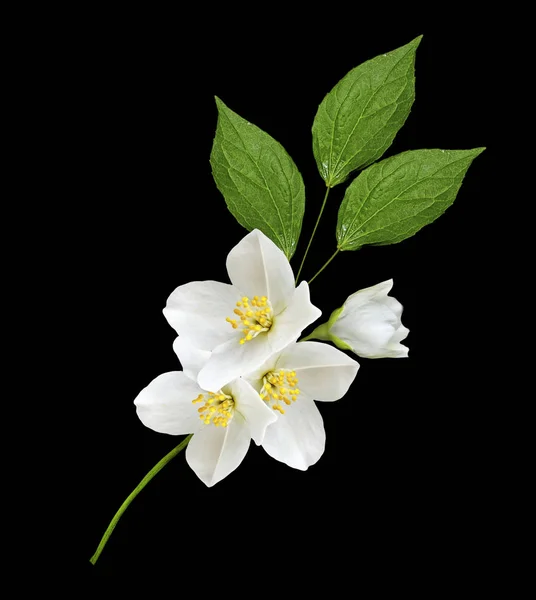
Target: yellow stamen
[276, 386]
[218, 408]
[253, 322]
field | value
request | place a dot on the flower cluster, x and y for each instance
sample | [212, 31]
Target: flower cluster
[245, 376]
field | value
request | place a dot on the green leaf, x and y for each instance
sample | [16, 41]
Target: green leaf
[261, 184]
[391, 200]
[358, 120]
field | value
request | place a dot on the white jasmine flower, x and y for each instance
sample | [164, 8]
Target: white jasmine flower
[223, 421]
[289, 382]
[369, 323]
[244, 323]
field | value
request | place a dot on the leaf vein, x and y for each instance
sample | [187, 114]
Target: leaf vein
[381, 179]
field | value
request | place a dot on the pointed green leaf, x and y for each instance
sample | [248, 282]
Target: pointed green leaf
[358, 120]
[261, 184]
[391, 200]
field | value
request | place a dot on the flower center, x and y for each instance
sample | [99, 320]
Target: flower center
[218, 408]
[280, 386]
[254, 318]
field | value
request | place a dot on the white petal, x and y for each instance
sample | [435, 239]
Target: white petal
[197, 311]
[254, 410]
[375, 295]
[394, 305]
[297, 438]
[214, 452]
[231, 360]
[192, 359]
[366, 329]
[395, 349]
[323, 372]
[294, 319]
[374, 292]
[258, 267]
[165, 405]
[255, 377]
[400, 334]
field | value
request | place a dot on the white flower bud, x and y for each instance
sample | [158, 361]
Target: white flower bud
[369, 323]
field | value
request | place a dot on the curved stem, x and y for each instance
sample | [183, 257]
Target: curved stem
[325, 265]
[156, 469]
[312, 235]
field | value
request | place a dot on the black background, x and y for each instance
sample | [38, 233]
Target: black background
[406, 462]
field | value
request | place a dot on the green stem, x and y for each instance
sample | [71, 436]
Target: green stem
[156, 469]
[325, 265]
[312, 235]
[320, 333]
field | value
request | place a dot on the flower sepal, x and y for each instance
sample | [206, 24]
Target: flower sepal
[323, 332]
